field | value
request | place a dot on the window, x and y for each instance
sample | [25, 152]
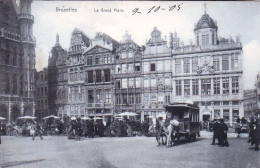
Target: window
[178, 88]
[152, 66]
[216, 63]
[146, 67]
[205, 86]
[124, 68]
[178, 66]
[123, 55]
[226, 115]
[124, 83]
[137, 68]
[131, 82]
[198, 41]
[213, 38]
[159, 66]
[137, 98]
[167, 81]
[167, 97]
[124, 96]
[146, 83]
[98, 76]
[89, 60]
[137, 82]
[234, 61]
[118, 84]
[131, 99]
[97, 59]
[225, 62]
[195, 86]
[160, 98]
[118, 99]
[130, 68]
[167, 65]
[235, 84]
[76, 92]
[226, 103]
[194, 64]
[216, 85]
[186, 65]
[90, 77]
[107, 96]
[106, 59]
[153, 82]
[153, 98]
[130, 54]
[118, 69]
[186, 87]
[225, 85]
[99, 95]
[235, 115]
[107, 75]
[205, 39]
[216, 114]
[147, 98]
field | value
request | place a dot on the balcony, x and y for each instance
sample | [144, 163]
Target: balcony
[29, 39]
[26, 16]
[9, 35]
[98, 105]
[193, 49]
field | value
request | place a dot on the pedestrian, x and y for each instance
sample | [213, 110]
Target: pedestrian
[37, 130]
[257, 134]
[223, 129]
[215, 131]
[90, 129]
[77, 128]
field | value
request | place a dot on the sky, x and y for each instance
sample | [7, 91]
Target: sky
[233, 18]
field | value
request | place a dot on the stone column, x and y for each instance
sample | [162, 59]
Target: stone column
[212, 86]
[199, 87]
[230, 116]
[9, 108]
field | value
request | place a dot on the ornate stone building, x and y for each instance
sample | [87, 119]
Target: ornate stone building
[127, 76]
[75, 65]
[156, 76]
[57, 80]
[17, 59]
[99, 62]
[210, 73]
[41, 95]
[250, 102]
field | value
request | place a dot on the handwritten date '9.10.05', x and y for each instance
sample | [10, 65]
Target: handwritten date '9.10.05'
[155, 9]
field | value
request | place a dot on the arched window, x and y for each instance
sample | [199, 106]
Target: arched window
[14, 84]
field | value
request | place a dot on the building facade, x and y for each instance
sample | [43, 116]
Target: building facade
[127, 76]
[106, 77]
[41, 95]
[250, 102]
[156, 76]
[210, 73]
[17, 59]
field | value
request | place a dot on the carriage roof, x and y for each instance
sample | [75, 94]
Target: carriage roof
[181, 107]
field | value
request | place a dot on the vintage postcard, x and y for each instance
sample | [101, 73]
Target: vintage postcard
[129, 84]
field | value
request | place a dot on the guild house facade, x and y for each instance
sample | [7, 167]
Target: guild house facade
[106, 77]
[17, 59]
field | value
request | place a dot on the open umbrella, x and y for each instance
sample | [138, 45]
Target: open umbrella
[2, 118]
[27, 117]
[127, 114]
[51, 116]
[86, 118]
[73, 118]
[97, 118]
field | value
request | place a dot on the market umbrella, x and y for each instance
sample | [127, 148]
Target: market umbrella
[127, 114]
[86, 118]
[51, 116]
[97, 118]
[27, 117]
[2, 118]
[73, 118]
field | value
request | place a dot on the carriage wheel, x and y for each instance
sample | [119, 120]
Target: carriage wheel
[164, 139]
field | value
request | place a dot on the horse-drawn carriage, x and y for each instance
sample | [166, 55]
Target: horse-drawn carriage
[183, 123]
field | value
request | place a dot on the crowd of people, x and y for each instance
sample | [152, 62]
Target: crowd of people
[220, 130]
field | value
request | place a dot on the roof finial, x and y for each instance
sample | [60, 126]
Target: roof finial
[57, 39]
[205, 7]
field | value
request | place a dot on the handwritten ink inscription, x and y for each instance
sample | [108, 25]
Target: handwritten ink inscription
[155, 9]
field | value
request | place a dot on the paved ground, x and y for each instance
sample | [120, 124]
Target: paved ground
[132, 152]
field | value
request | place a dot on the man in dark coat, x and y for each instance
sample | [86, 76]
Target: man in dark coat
[257, 134]
[90, 129]
[223, 129]
[215, 131]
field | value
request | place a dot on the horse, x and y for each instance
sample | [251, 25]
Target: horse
[160, 133]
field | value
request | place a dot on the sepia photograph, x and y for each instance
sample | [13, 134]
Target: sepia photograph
[129, 84]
